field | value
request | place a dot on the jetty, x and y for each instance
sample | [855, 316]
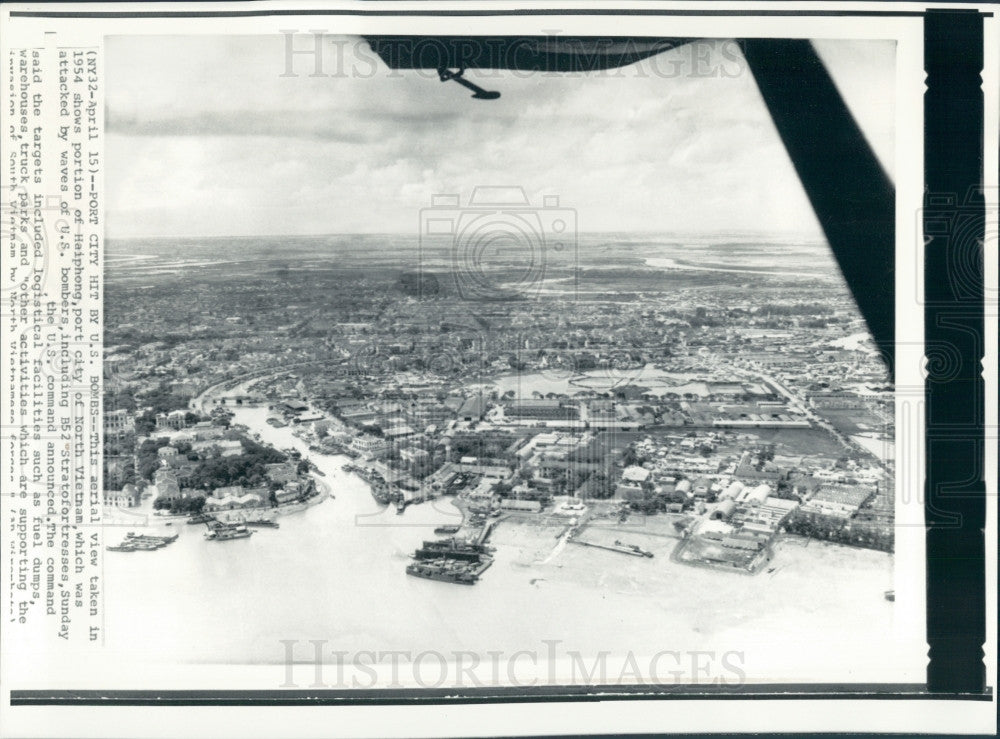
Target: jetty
[618, 546]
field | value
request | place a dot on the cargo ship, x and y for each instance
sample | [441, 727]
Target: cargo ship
[381, 492]
[452, 549]
[451, 560]
[456, 544]
[379, 488]
[444, 571]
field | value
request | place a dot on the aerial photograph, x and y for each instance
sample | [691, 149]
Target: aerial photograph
[394, 367]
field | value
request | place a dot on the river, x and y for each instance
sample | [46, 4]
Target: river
[336, 572]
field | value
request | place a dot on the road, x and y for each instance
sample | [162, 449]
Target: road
[800, 405]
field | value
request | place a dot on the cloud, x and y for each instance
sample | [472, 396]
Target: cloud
[207, 138]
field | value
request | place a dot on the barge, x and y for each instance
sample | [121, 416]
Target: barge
[228, 531]
[142, 543]
[451, 560]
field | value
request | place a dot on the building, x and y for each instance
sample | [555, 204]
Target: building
[204, 430]
[724, 510]
[292, 407]
[173, 421]
[230, 491]
[127, 497]
[636, 475]
[118, 424]
[286, 495]
[481, 497]
[397, 431]
[701, 487]
[413, 455]
[423, 412]
[748, 469]
[541, 410]
[473, 408]
[523, 506]
[766, 517]
[742, 541]
[368, 444]
[732, 491]
[836, 400]
[234, 502]
[165, 482]
[281, 472]
[485, 467]
[757, 495]
[838, 501]
[291, 492]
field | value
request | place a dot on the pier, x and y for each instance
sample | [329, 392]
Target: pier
[631, 549]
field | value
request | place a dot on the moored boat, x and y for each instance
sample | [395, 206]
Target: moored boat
[443, 571]
[263, 522]
[227, 531]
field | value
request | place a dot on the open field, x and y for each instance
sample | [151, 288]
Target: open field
[790, 442]
[851, 422]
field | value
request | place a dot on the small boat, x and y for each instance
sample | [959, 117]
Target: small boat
[147, 541]
[225, 532]
[890, 595]
[265, 522]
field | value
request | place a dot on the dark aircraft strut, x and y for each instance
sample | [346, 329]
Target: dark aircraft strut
[479, 93]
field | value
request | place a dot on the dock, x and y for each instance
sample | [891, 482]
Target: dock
[631, 549]
[487, 530]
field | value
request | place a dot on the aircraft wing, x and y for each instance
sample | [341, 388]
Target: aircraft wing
[528, 53]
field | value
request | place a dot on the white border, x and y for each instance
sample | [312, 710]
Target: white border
[618, 716]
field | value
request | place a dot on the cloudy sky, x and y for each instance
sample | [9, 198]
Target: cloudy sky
[205, 137]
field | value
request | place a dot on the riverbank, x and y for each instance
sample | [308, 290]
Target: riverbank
[336, 572]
